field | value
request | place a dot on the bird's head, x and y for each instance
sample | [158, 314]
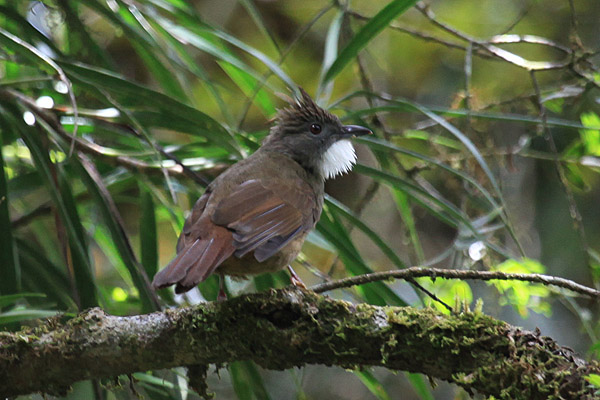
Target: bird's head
[313, 137]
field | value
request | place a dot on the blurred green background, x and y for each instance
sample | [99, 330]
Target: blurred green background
[485, 156]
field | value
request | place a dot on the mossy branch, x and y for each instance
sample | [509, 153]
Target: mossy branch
[280, 329]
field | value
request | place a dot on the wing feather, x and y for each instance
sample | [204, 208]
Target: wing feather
[258, 217]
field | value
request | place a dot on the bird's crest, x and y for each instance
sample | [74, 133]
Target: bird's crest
[303, 109]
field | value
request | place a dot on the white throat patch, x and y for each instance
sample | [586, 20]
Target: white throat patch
[338, 159]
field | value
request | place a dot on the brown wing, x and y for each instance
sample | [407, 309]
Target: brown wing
[264, 216]
[256, 216]
[201, 248]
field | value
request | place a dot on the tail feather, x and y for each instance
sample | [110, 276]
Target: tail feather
[179, 266]
[195, 263]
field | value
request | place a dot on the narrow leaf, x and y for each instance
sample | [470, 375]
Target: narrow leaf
[366, 34]
[24, 314]
[9, 263]
[62, 198]
[374, 386]
[148, 234]
[247, 382]
[112, 219]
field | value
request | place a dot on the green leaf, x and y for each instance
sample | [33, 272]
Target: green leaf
[80, 40]
[148, 234]
[9, 263]
[379, 144]
[377, 293]
[375, 238]
[28, 32]
[366, 34]
[259, 21]
[420, 385]
[112, 219]
[62, 197]
[594, 380]
[524, 296]
[248, 85]
[331, 50]
[591, 137]
[247, 382]
[373, 384]
[399, 104]
[404, 208]
[13, 298]
[41, 275]
[24, 314]
[134, 96]
[442, 208]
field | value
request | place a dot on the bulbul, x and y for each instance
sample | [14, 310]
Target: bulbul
[254, 217]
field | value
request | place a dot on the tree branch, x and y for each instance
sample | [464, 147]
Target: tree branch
[433, 273]
[285, 328]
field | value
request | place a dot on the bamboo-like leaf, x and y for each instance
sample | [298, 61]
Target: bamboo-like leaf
[272, 65]
[403, 206]
[331, 51]
[373, 384]
[441, 208]
[78, 33]
[62, 198]
[112, 219]
[135, 96]
[204, 40]
[484, 166]
[377, 293]
[420, 385]
[41, 275]
[189, 65]
[398, 104]
[247, 382]
[366, 34]
[13, 298]
[148, 52]
[29, 33]
[143, 44]
[248, 85]
[384, 145]
[9, 262]
[38, 58]
[9, 317]
[375, 238]
[148, 234]
[259, 21]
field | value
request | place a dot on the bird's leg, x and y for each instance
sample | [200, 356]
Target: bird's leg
[222, 296]
[296, 281]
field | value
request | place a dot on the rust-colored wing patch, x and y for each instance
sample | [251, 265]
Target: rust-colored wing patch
[260, 219]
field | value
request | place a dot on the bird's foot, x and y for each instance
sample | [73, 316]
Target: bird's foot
[222, 296]
[296, 281]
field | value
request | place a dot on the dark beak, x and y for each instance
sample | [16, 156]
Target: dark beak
[355, 130]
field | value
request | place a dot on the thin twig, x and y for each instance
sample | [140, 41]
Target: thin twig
[494, 50]
[524, 11]
[429, 293]
[433, 273]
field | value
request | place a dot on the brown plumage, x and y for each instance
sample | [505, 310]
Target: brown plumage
[254, 217]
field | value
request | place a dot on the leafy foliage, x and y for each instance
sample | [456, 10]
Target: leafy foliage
[115, 114]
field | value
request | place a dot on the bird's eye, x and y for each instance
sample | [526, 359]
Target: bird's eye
[315, 129]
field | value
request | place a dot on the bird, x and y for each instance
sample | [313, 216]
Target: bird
[254, 217]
